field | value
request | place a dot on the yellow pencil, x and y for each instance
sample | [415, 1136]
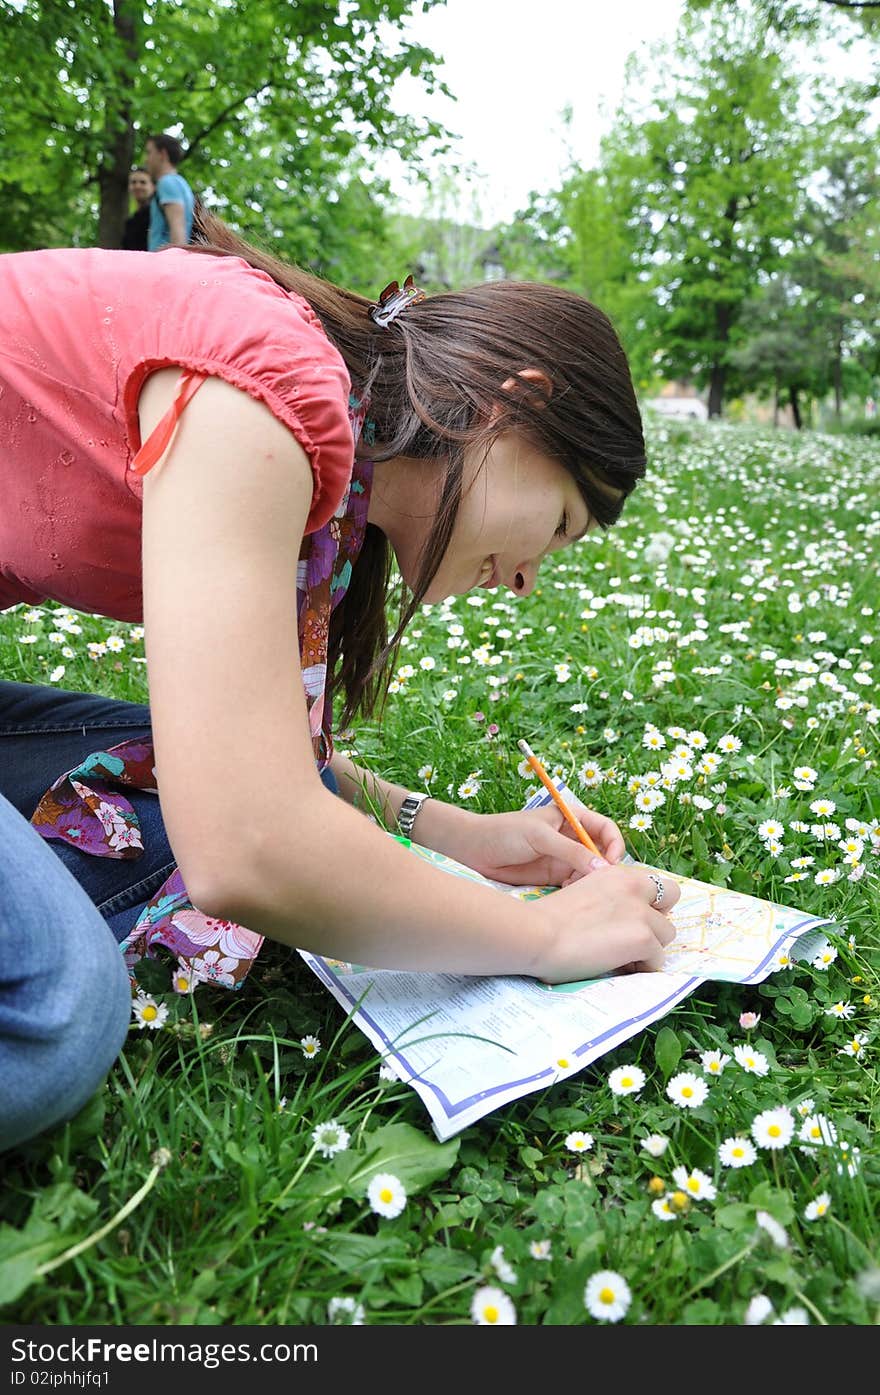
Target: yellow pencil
[548, 784]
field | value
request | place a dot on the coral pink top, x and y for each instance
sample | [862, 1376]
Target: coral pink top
[80, 331]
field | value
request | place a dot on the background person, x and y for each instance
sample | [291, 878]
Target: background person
[171, 211]
[206, 446]
[137, 225]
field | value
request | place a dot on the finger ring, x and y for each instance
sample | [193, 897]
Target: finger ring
[661, 889]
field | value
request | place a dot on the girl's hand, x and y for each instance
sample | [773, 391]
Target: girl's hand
[603, 924]
[527, 847]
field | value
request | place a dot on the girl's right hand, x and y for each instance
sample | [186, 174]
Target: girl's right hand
[602, 923]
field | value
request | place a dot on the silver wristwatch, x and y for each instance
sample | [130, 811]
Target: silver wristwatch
[408, 812]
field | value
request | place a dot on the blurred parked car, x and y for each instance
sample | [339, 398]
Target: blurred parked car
[685, 407]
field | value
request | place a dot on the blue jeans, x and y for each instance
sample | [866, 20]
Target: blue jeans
[65, 998]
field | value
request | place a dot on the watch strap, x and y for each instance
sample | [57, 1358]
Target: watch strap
[408, 811]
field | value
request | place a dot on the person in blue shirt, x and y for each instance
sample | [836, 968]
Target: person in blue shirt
[171, 210]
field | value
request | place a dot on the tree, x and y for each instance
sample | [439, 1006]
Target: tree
[272, 98]
[711, 175]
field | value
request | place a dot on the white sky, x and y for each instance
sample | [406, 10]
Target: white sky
[514, 66]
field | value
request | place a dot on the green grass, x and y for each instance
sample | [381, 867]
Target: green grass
[761, 624]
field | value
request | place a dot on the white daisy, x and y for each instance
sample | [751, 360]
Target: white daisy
[854, 1047]
[758, 1311]
[713, 1062]
[687, 1090]
[607, 1296]
[655, 1144]
[468, 789]
[386, 1195]
[183, 980]
[695, 1183]
[737, 1152]
[310, 1046]
[755, 1062]
[345, 1312]
[147, 1012]
[771, 1227]
[663, 1210]
[540, 1249]
[817, 1208]
[330, 1138]
[505, 1271]
[578, 1142]
[626, 1080]
[491, 1307]
[806, 1107]
[817, 1129]
[840, 1009]
[773, 1128]
[794, 1317]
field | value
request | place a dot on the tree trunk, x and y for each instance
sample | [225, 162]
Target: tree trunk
[838, 378]
[716, 389]
[795, 407]
[116, 158]
[723, 320]
[776, 403]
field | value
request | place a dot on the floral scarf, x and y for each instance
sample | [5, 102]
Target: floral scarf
[86, 807]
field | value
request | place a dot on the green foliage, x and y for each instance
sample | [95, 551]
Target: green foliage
[280, 107]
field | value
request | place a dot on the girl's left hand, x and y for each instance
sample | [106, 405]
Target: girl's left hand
[534, 847]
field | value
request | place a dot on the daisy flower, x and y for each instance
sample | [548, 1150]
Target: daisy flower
[737, 1152]
[854, 1047]
[794, 1317]
[491, 1307]
[147, 1012]
[773, 1128]
[310, 1046]
[386, 1195]
[817, 1129]
[345, 1312]
[663, 1210]
[505, 1271]
[851, 1156]
[578, 1142]
[770, 828]
[468, 789]
[540, 1249]
[626, 1080]
[805, 777]
[590, 776]
[183, 980]
[607, 1296]
[817, 1208]
[755, 1062]
[655, 1144]
[330, 1138]
[687, 1090]
[771, 1227]
[806, 1107]
[748, 1020]
[713, 1062]
[758, 1311]
[695, 1183]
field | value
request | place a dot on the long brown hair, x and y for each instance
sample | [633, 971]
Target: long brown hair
[433, 379]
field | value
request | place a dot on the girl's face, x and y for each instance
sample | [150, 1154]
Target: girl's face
[515, 509]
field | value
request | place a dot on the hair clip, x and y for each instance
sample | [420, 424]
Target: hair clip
[393, 301]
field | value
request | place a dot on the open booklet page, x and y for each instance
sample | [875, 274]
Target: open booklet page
[468, 1045]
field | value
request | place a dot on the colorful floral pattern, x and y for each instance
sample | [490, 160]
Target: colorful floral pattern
[86, 807]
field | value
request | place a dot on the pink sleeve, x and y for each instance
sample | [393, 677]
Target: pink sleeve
[287, 362]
